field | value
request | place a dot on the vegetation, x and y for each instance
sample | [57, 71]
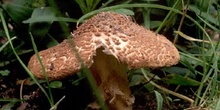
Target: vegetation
[28, 26]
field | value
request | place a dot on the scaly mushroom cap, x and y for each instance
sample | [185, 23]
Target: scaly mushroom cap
[130, 43]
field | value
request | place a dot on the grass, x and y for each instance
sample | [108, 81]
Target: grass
[189, 29]
[21, 62]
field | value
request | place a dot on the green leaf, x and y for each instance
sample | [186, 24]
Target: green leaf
[202, 4]
[149, 87]
[190, 62]
[124, 11]
[4, 72]
[159, 100]
[41, 13]
[179, 71]
[136, 80]
[180, 80]
[41, 20]
[149, 0]
[17, 12]
[82, 6]
[155, 24]
[49, 19]
[40, 29]
[46, 14]
[52, 41]
[204, 15]
[38, 3]
[55, 84]
[87, 6]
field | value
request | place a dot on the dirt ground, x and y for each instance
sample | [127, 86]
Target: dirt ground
[77, 96]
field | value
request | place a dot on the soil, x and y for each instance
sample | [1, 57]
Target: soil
[17, 85]
[77, 96]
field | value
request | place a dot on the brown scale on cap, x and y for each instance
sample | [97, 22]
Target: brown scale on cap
[130, 43]
[59, 61]
[106, 43]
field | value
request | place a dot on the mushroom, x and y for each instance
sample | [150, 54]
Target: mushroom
[108, 44]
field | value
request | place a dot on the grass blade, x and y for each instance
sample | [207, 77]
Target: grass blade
[19, 59]
[159, 100]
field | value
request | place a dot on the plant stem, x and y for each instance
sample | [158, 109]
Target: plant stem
[191, 101]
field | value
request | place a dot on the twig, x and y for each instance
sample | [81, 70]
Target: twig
[21, 90]
[181, 21]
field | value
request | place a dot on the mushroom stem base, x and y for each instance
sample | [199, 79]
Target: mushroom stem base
[111, 78]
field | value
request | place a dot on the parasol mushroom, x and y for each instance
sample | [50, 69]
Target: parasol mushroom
[108, 44]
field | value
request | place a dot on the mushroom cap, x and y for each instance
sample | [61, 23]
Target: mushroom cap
[59, 62]
[130, 43]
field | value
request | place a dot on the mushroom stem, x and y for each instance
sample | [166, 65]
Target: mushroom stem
[111, 78]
